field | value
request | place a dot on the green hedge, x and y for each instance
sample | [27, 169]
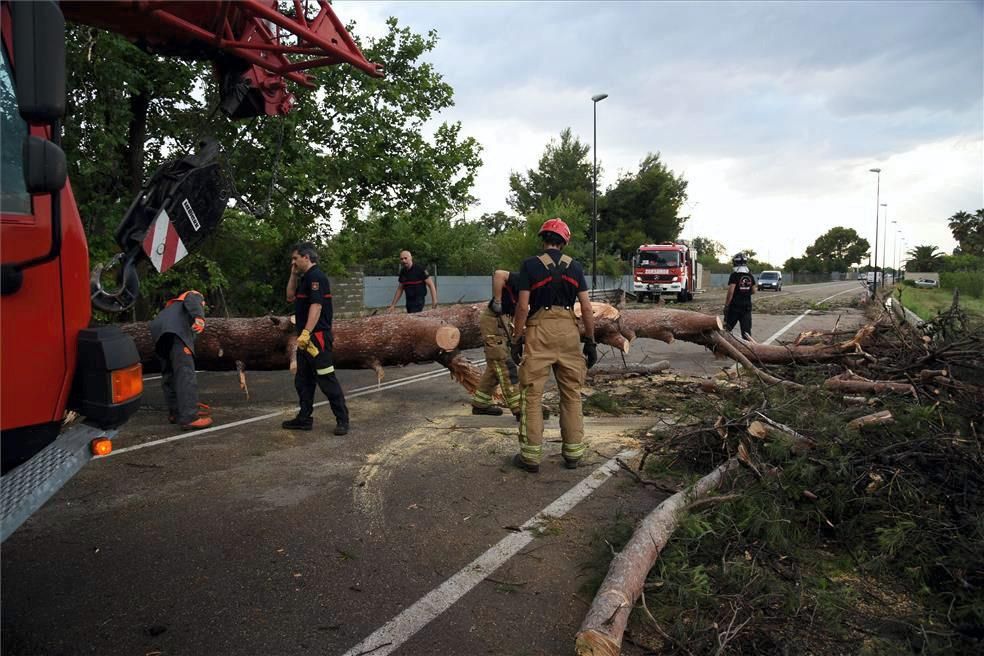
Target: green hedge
[970, 283]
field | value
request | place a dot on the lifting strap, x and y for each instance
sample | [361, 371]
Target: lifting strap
[557, 277]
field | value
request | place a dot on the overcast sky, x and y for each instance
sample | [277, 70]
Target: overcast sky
[773, 112]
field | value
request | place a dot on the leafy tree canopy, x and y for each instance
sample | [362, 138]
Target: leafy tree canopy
[641, 208]
[968, 230]
[924, 258]
[564, 172]
[838, 249]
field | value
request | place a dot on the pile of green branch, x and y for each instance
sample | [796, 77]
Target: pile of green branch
[871, 540]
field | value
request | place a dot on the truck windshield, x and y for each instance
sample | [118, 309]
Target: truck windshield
[13, 192]
[663, 259]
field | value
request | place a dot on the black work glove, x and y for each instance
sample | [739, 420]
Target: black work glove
[496, 307]
[726, 311]
[590, 351]
[517, 349]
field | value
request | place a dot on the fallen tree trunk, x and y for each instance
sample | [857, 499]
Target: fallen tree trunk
[603, 626]
[266, 343]
[269, 343]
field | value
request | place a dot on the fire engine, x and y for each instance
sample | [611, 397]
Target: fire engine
[660, 269]
[67, 387]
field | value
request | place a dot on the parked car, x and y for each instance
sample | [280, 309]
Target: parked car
[927, 282]
[770, 280]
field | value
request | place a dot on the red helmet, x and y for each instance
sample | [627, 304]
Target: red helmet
[558, 227]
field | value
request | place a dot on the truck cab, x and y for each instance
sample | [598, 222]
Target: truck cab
[65, 386]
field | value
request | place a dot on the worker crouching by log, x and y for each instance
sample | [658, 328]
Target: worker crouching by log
[545, 338]
[495, 322]
[174, 331]
[309, 290]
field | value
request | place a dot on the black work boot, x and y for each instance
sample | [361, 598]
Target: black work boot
[546, 413]
[298, 423]
[572, 464]
[493, 410]
[525, 466]
[341, 429]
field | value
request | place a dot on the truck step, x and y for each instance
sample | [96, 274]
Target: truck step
[27, 487]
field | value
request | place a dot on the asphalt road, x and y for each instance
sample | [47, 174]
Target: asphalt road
[248, 539]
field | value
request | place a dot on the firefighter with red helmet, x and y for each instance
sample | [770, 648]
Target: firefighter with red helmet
[174, 331]
[546, 338]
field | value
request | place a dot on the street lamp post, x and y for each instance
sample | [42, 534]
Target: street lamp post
[884, 242]
[895, 243]
[594, 215]
[874, 260]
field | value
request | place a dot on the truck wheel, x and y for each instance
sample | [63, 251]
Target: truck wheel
[682, 297]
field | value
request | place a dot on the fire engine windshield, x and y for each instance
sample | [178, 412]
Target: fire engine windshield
[662, 259]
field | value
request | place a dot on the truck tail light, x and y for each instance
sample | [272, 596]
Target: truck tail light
[127, 383]
[101, 446]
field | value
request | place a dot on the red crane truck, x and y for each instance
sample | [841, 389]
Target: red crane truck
[53, 365]
[665, 269]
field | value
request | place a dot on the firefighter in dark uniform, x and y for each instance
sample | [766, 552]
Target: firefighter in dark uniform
[309, 290]
[738, 305]
[495, 322]
[545, 338]
[174, 331]
[415, 281]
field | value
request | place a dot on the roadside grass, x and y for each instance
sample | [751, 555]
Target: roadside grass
[927, 303]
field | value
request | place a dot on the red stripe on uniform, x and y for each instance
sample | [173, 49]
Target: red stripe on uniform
[320, 336]
[572, 281]
[300, 296]
[537, 285]
[413, 282]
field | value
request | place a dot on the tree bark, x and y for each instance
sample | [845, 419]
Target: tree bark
[269, 343]
[603, 626]
[266, 343]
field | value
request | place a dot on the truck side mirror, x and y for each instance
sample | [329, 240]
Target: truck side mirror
[39, 55]
[44, 166]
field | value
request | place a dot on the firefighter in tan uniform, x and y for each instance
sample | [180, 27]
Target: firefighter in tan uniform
[495, 322]
[546, 338]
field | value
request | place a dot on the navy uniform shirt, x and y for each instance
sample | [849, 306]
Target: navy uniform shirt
[313, 288]
[743, 283]
[535, 278]
[414, 287]
[510, 294]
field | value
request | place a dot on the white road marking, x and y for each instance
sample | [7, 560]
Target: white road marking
[361, 391]
[782, 331]
[401, 628]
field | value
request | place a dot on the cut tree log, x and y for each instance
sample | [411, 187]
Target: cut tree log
[851, 383]
[875, 419]
[603, 626]
[269, 343]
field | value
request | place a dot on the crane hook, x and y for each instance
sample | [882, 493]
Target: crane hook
[125, 296]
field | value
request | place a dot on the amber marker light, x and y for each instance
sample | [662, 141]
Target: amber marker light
[127, 383]
[101, 446]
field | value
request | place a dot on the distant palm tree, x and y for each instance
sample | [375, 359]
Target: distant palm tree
[924, 258]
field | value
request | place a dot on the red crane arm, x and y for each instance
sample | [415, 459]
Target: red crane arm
[255, 46]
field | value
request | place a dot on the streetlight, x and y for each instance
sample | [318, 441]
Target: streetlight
[874, 260]
[594, 216]
[895, 242]
[884, 242]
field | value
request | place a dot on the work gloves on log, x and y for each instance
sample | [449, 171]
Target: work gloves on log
[590, 351]
[496, 307]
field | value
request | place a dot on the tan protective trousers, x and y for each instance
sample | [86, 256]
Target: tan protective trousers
[553, 342]
[496, 368]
